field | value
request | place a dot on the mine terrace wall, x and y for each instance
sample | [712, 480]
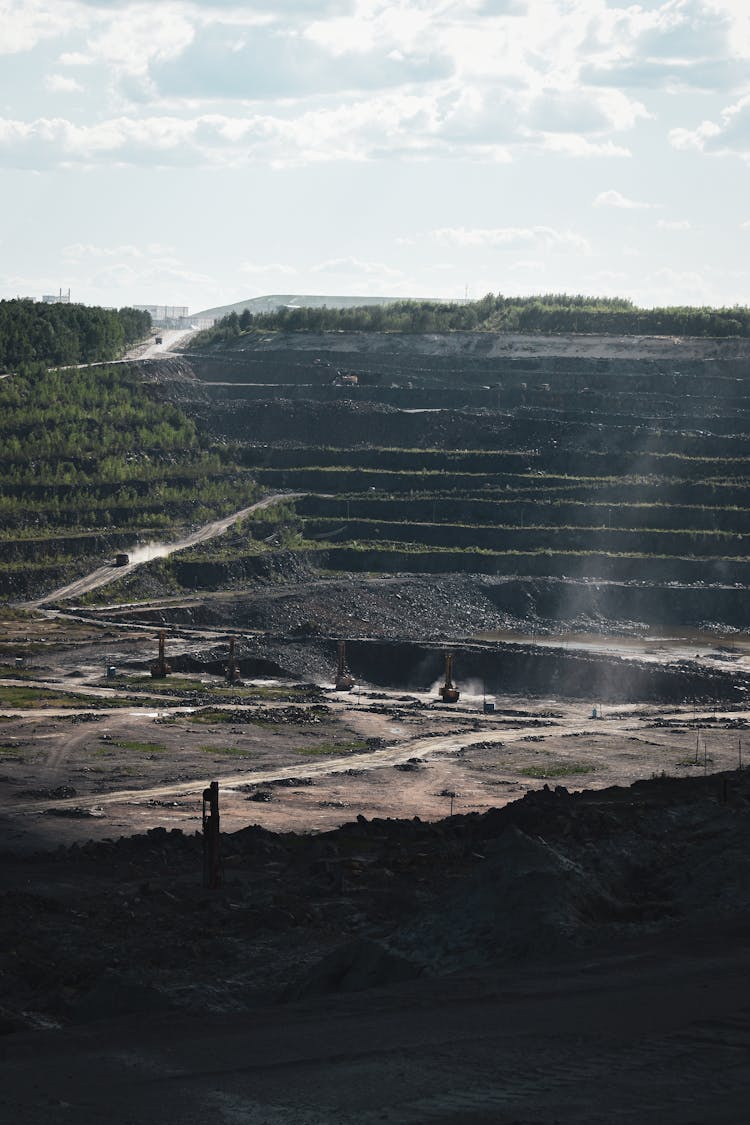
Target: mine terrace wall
[537, 596]
[529, 347]
[527, 539]
[525, 669]
[520, 513]
[580, 566]
[668, 605]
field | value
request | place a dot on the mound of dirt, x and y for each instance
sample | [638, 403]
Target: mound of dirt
[527, 899]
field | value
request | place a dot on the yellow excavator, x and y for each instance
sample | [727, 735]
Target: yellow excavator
[448, 692]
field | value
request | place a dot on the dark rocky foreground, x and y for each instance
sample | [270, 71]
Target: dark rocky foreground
[557, 895]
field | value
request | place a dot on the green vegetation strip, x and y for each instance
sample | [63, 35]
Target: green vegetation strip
[31, 697]
[134, 744]
[556, 769]
[218, 690]
[208, 715]
[333, 749]
[550, 312]
[234, 751]
[91, 447]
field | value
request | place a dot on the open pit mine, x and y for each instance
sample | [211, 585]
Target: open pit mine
[412, 786]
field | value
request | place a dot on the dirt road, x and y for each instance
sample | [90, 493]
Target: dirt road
[108, 573]
[170, 338]
[376, 759]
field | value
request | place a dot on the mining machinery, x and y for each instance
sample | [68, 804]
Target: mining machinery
[160, 669]
[344, 679]
[448, 692]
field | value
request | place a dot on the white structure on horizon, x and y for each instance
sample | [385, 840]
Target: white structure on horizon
[165, 314]
[56, 298]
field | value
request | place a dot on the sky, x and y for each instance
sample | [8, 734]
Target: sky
[199, 153]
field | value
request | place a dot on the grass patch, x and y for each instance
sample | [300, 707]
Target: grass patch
[140, 683]
[134, 744]
[208, 715]
[221, 689]
[31, 697]
[556, 769]
[333, 749]
[297, 694]
[9, 748]
[234, 751]
[8, 672]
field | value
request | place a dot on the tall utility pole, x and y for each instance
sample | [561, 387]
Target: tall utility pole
[211, 838]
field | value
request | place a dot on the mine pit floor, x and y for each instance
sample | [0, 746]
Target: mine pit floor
[82, 757]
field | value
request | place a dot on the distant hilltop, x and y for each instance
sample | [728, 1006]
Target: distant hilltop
[276, 301]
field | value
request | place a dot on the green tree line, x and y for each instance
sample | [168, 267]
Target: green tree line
[552, 312]
[32, 332]
[90, 446]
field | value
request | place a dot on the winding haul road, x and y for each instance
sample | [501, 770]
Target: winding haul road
[419, 746]
[108, 573]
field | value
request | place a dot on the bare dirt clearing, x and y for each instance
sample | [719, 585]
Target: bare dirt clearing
[86, 757]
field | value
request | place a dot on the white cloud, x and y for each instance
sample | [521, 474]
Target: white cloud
[566, 144]
[59, 84]
[356, 267]
[147, 268]
[607, 283]
[509, 237]
[527, 266]
[729, 136]
[614, 198]
[581, 110]
[154, 278]
[681, 282]
[75, 58]
[26, 24]
[674, 224]
[268, 62]
[49, 142]
[79, 251]
[140, 34]
[275, 268]
[676, 45]
[401, 26]
[487, 81]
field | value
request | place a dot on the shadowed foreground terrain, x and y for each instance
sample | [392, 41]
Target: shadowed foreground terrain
[567, 958]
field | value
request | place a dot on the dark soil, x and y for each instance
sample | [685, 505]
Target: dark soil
[91, 930]
[524, 960]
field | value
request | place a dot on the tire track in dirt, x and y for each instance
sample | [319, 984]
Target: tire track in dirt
[424, 747]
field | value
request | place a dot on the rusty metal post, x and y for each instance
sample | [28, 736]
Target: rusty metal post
[211, 838]
[344, 680]
[232, 672]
